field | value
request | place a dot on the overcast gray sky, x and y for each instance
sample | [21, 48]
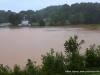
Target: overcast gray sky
[18, 5]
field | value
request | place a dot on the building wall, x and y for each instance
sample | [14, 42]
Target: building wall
[25, 22]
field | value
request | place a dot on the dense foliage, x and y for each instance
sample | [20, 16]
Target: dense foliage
[74, 59]
[78, 13]
[41, 23]
[4, 16]
[56, 63]
[14, 19]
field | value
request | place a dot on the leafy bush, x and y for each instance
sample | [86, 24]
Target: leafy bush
[53, 64]
[41, 23]
[92, 56]
[51, 24]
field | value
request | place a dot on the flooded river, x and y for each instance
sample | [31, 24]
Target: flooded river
[19, 44]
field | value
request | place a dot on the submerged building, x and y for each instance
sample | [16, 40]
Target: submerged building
[24, 22]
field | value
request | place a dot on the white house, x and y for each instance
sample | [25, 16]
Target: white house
[24, 22]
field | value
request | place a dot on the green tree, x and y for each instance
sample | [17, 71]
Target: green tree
[17, 70]
[53, 63]
[92, 56]
[17, 19]
[74, 19]
[52, 14]
[4, 70]
[55, 19]
[34, 18]
[62, 19]
[2, 19]
[39, 16]
[73, 58]
[12, 18]
[41, 23]
[51, 24]
[82, 18]
[30, 68]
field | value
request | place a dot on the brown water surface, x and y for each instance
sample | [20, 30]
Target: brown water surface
[19, 44]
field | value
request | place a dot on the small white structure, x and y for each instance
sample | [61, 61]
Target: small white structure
[4, 24]
[24, 23]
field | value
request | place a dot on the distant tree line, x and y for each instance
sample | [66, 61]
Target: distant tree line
[4, 16]
[15, 19]
[78, 13]
[57, 63]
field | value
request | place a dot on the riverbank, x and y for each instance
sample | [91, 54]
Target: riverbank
[91, 27]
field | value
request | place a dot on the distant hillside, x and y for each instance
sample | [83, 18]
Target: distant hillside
[78, 13]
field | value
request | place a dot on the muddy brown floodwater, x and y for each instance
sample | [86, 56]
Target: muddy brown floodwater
[19, 44]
